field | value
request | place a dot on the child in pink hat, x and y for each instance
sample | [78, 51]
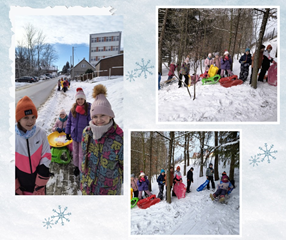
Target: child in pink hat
[78, 119]
[102, 144]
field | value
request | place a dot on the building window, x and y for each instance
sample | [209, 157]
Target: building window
[83, 65]
[115, 48]
[109, 39]
[99, 39]
[93, 39]
[108, 49]
[100, 49]
[116, 38]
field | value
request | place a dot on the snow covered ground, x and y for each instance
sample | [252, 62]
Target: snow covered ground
[64, 182]
[195, 214]
[215, 103]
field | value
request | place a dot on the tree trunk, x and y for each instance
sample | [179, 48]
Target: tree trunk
[188, 150]
[236, 30]
[169, 165]
[150, 165]
[202, 141]
[230, 30]
[257, 48]
[161, 41]
[185, 154]
[143, 152]
[216, 158]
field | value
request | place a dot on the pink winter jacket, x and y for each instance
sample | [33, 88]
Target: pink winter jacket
[208, 62]
[59, 124]
[134, 184]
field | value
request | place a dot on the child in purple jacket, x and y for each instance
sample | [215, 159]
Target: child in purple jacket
[78, 119]
[143, 183]
[226, 62]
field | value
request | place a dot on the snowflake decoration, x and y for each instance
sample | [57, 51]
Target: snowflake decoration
[131, 76]
[267, 153]
[48, 223]
[254, 160]
[61, 215]
[144, 68]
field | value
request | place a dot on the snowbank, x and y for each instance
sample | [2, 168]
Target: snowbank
[215, 103]
[49, 112]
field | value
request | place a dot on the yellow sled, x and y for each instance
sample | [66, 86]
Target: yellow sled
[57, 139]
[213, 71]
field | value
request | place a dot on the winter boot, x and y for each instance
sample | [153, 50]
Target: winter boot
[222, 199]
[212, 196]
[76, 171]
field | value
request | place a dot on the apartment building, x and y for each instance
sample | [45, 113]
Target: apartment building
[102, 45]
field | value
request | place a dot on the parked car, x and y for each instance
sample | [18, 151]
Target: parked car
[43, 77]
[26, 79]
[36, 78]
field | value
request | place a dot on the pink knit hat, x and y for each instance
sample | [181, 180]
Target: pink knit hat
[63, 112]
[79, 94]
[100, 105]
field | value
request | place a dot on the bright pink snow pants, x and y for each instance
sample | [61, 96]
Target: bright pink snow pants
[77, 154]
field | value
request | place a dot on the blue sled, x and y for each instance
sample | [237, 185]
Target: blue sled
[200, 188]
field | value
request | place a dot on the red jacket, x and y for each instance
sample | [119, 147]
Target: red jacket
[172, 69]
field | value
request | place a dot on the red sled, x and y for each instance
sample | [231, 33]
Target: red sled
[230, 81]
[180, 190]
[148, 202]
[272, 75]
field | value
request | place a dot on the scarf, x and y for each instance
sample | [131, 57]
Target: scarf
[27, 134]
[63, 119]
[98, 131]
[209, 58]
[80, 109]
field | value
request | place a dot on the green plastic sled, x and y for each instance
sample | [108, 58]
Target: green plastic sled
[57, 155]
[211, 80]
[134, 202]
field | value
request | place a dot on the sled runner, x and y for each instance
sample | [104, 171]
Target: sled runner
[272, 75]
[180, 190]
[134, 202]
[148, 202]
[211, 80]
[200, 188]
[230, 81]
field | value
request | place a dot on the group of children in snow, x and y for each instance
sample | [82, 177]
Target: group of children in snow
[224, 64]
[140, 184]
[64, 83]
[97, 146]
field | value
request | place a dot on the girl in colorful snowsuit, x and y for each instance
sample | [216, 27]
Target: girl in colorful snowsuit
[78, 119]
[61, 124]
[226, 62]
[208, 62]
[223, 188]
[161, 183]
[245, 61]
[102, 144]
[185, 69]
[143, 183]
[134, 186]
[32, 155]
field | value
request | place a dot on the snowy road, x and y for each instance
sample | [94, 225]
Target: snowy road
[38, 92]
